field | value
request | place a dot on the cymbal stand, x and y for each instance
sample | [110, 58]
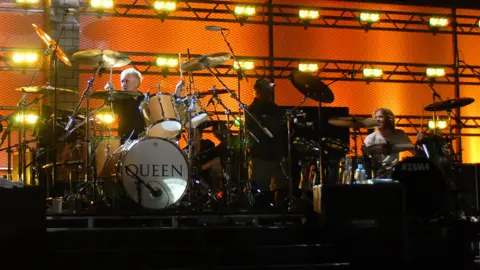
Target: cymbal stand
[22, 131]
[321, 173]
[247, 112]
[85, 96]
[291, 200]
[228, 176]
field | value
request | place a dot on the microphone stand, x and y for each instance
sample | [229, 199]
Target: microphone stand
[243, 136]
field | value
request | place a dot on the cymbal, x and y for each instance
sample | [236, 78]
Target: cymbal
[353, 122]
[448, 104]
[311, 87]
[51, 43]
[115, 94]
[218, 91]
[42, 89]
[101, 58]
[200, 63]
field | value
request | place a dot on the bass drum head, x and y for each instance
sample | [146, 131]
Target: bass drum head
[425, 186]
[154, 173]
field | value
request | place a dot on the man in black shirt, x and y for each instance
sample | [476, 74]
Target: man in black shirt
[130, 119]
[266, 154]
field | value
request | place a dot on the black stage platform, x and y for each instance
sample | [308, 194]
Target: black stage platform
[253, 239]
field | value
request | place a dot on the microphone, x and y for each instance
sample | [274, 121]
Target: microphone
[214, 28]
[213, 96]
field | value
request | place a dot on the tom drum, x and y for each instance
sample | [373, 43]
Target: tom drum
[161, 116]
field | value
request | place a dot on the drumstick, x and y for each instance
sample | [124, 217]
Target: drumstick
[179, 62]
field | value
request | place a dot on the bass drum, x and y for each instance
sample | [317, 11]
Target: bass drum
[152, 172]
[425, 186]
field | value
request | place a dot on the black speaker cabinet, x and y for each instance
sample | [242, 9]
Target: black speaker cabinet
[467, 181]
[366, 215]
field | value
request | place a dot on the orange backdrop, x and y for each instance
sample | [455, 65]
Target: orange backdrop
[174, 36]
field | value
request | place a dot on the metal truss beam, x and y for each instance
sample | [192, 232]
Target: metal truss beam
[338, 70]
[287, 15]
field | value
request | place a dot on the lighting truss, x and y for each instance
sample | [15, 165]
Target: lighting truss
[338, 70]
[212, 11]
[287, 15]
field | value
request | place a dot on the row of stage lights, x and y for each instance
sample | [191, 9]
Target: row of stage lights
[27, 58]
[244, 11]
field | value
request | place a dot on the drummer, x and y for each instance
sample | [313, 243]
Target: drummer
[130, 118]
[385, 144]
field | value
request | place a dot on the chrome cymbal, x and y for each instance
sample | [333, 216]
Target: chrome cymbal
[115, 94]
[353, 122]
[101, 58]
[42, 89]
[51, 43]
[204, 61]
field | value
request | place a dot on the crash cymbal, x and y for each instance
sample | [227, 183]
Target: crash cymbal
[311, 86]
[101, 58]
[51, 43]
[115, 94]
[353, 122]
[200, 63]
[43, 89]
[446, 105]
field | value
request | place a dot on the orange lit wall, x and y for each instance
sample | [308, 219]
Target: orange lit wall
[174, 36]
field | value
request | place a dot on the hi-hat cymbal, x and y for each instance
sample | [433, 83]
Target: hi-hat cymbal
[312, 87]
[353, 122]
[42, 89]
[449, 104]
[115, 94]
[101, 58]
[204, 61]
[51, 43]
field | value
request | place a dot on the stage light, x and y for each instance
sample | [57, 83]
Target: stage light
[435, 72]
[105, 117]
[166, 62]
[28, 118]
[101, 4]
[24, 57]
[246, 65]
[166, 6]
[245, 11]
[436, 22]
[307, 67]
[369, 17]
[372, 72]
[237, 121]
[26, 4]
[306, 14]
[439, 124]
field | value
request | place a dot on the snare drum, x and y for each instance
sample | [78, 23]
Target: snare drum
[152, 172]
[161, 116]
[198, 114]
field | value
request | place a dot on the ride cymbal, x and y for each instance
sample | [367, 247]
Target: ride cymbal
[115, 94]
[204, 61]
[312, 87]
[449, 104]
[353, 122]
[42, 89]
[51, 43]
[101, 58]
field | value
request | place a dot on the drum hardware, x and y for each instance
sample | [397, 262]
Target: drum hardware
[209, 61]
[313, 88]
